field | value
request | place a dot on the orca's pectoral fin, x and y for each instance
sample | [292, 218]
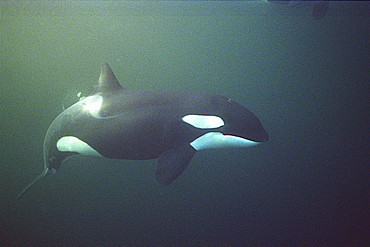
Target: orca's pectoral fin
[46, 172]
[172, 163]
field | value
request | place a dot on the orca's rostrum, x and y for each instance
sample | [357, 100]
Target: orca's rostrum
[119, 123]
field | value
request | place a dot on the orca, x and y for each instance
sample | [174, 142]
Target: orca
[119, 123]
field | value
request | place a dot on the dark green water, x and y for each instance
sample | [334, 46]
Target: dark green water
[307, 80]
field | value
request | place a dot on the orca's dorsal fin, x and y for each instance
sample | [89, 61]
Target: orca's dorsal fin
[107, 82]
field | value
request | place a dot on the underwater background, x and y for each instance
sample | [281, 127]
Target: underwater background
[307, 79]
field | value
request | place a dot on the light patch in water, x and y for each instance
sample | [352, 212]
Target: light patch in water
[92, 104]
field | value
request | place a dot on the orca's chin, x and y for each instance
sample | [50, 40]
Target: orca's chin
[259, 138]
[263, 138]
[213, 140]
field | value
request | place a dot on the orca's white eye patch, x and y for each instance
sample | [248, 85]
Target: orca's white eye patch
[73, 144]
[204, 121]
[92, 104]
